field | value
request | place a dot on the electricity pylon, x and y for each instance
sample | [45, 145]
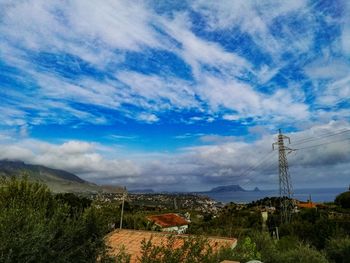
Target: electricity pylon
[285, 183]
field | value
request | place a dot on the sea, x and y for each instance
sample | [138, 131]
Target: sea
[320, 195]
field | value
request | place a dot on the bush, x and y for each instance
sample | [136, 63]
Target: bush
[302, 254]
[246, 250]
[343, 200]
[287, 249]
[192, 250]
[338, 250]
[35, 227]
[196, 249]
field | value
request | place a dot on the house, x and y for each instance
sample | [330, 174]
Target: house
[131, 241]
[170, 222]
[307, 204]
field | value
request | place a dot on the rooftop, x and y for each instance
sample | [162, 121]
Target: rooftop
[131, 241]
[306, 204]
[168, 220]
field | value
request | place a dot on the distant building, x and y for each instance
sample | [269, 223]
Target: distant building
[131, 240]
[170, 222]
[307, 204]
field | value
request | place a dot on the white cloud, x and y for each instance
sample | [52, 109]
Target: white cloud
[99, 33]
[78, 157]
[221, 160]
[331, 78]
[90, 30]
[247, 102]
[224, 84]
[345, 37]
[159, 92]
[256, 18]
[328, 68]
[149, 118]
[196, 51]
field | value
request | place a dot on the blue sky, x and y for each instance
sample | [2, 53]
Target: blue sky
[158, 93]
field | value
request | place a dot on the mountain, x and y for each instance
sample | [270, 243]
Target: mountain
[227, 188]
[56, 180]
[256, 189]
[231, 188]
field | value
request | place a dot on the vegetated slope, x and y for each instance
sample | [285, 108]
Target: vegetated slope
[56, 180]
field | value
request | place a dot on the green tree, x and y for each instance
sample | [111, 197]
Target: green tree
[247, 250]
[343, 200]
[35, 227]
[301, 254]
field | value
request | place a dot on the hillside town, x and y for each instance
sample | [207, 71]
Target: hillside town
[162, 201]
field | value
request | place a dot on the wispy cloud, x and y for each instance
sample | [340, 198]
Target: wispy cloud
[100, 36]
[189, 71]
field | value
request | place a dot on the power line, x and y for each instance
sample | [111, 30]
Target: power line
[248, 173]
[268, 166]
[256, 165]
[321, 136]
[318, 145]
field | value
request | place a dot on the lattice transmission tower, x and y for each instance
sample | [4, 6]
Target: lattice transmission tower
[285, 183]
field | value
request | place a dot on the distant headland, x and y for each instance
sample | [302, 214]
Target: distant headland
[231, 188]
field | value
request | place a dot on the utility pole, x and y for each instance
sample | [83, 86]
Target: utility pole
[122, 212]
[285, 183]
[175, 204]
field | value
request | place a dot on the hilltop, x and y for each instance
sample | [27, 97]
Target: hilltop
[56, 180]
[230, 188]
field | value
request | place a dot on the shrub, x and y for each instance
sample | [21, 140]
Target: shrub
[35, 227]
[343, 200]
[302, 254]
[338, 250]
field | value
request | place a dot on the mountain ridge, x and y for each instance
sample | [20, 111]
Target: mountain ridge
[57, 180]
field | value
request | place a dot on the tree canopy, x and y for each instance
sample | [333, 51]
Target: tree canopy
[37, 227]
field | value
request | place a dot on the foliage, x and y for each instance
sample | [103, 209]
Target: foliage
[287, 249]
[122, 256]
[36, 227]
[343, 199]
[301, 254]
[196, 249]
[76, 203]
[229, 222]
[311, 226]
[192, 250]
[338, 250]
[266, 246]
[258, 247]
[267, 201]
[247, 250]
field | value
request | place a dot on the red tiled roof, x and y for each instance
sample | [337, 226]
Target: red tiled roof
[131, 241]
[307, 205]
[168, 220]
